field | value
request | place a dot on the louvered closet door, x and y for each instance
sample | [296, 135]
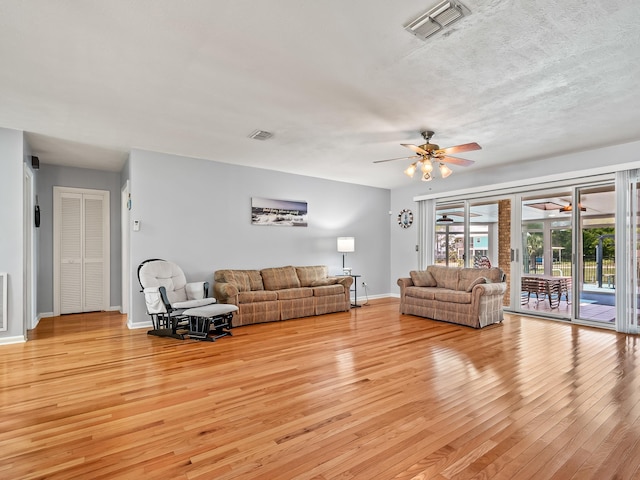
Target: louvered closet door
[71, 253]
[93, 258]
[83, 246]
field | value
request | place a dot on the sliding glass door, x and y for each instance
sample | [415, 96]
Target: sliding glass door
[474, 234]
[596, 263]
[546, 248]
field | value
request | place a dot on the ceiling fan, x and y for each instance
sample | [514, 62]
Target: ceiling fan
[430, 152]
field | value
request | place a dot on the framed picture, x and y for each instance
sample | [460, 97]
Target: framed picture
[280, 213]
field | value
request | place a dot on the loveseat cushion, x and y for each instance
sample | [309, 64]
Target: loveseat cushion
[280, 278]
[309, 275]
[257, 296]
[467, 276]
[422, 278]
[323, 291]
[452, 296]
[293, 293]
[446, 277]
[425, 293]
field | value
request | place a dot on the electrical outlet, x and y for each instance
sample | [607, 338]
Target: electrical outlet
[364, 284]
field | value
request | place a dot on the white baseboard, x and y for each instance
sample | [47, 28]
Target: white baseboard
[375, 297]
[10, 340]
[133, 326]
[114, 308]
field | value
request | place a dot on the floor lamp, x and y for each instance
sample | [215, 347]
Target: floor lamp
[346, 245]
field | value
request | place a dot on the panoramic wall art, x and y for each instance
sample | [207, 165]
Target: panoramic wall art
[279, 213]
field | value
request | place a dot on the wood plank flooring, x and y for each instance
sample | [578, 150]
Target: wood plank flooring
[369, 394]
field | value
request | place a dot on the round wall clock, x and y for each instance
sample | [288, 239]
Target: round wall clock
[405, 218]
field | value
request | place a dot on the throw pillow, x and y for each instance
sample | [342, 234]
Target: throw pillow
[422, 278]
[477, 281]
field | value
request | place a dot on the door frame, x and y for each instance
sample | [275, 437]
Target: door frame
[57, 205]
[29, 278]
[125, 234]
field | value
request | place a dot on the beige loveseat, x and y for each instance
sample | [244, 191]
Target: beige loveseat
[466, 296]
[273, 294]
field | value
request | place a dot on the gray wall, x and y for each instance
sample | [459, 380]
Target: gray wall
[53, 175]
[11, 228]
[197, 213]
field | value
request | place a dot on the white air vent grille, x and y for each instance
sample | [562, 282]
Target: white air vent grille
[261, 135]
[436, 18]
[3, 302]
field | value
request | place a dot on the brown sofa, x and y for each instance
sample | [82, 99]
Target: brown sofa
[273, 294]
[466, 296]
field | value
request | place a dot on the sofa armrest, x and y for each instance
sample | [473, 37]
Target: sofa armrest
[491, 288]
[345, 281]
[225, 293]
[405, 282]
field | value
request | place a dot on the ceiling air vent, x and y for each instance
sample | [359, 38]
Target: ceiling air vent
[261, 135]
[436, 18]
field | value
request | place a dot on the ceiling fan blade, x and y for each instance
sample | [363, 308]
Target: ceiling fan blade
[455, 161]
[399, 158]
[467, 147]
[415, 148]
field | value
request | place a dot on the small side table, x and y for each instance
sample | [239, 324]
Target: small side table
[355, 289]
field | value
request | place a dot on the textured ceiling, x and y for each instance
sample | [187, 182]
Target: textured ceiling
[340, 84]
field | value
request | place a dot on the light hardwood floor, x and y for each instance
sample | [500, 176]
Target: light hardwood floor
[368, 394]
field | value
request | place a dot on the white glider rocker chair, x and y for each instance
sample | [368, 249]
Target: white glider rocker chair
[179, 309]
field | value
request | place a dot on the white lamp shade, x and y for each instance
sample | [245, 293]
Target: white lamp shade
[346, 244]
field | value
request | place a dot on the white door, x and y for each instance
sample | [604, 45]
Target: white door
[81, 250]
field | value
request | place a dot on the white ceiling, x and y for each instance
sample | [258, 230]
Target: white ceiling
[339, 83]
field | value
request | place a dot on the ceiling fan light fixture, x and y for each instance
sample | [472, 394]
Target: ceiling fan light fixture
[445, 171]
[430, 155]
[444, 219]
[569, 208]
[411, 169]
[427, 166]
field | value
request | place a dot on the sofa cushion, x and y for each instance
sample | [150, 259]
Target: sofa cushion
[239, 279]
[477, 281]
[446, 277]
[325, 281]
[426, 293]
[293, 293]
[422, 278]
[452, 296]
[243, 280]
[323, 291]
[257, 296]
[280, 278]
[255, 279]
[308, 275]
